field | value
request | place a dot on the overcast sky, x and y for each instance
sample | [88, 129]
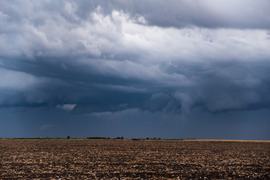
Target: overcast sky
[169, 69]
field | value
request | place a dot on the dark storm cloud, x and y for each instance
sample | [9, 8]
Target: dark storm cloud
[158, 56]
[175, 13]
[206, 13]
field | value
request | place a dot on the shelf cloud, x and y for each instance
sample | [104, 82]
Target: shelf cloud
[156, 56]
[102, 56]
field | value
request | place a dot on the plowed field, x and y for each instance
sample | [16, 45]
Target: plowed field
[129, 159]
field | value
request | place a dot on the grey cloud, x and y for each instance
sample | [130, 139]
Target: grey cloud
[109, 57]
[171, 13]
[205, 13]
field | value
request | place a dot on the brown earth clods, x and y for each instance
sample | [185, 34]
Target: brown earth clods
[129, 159]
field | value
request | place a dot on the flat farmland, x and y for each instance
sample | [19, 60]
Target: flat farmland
[130, 159]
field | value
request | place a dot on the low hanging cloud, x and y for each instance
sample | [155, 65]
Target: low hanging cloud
[106, 57]
[67, 107]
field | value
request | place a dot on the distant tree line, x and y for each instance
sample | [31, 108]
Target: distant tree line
[121, 137]
[97, 137]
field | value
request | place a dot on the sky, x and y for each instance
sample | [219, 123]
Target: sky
[155, 68]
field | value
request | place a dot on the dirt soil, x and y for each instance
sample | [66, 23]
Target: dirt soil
[130, 159]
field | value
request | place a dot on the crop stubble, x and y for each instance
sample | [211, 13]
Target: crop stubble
[127, 159]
